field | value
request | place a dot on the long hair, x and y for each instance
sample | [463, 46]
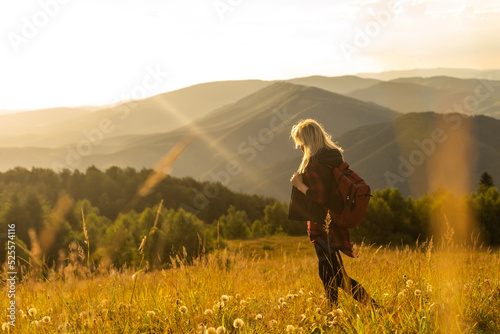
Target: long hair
[310, 137]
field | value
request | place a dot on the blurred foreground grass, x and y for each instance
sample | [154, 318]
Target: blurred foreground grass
[271, 285]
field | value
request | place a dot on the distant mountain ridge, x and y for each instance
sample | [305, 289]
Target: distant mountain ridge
[460, 73]
[416, 153]
[243, 131]
[439, 94]
[253, 132]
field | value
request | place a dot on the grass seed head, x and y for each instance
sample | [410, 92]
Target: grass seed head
[238, 323]
[46, 319]
[32, 312]
[209, 312]
[183, 309]
[221, 330]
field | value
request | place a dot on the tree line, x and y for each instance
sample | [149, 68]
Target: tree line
[49, 210]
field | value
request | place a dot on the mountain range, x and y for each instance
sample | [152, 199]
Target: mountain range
[242, 131]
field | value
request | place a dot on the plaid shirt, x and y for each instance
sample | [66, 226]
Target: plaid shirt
[337, 237]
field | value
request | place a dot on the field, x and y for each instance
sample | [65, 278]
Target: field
[271, 285]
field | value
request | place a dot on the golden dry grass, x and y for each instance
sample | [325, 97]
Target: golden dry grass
[272, 285]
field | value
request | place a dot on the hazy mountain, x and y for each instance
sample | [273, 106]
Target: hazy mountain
[432, 72]
[37, 120]
[416, 153]
[160, 113]
[251, 133]
[439, 94]
[340, 85]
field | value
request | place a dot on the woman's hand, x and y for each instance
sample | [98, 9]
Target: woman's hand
[297, 181]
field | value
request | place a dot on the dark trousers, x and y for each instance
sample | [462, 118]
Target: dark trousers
[333, 274]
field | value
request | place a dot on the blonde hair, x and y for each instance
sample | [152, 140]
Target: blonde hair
[312, 137]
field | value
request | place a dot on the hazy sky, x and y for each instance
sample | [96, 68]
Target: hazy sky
[93, 52]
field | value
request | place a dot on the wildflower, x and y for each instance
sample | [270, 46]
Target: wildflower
[150, 313]
[218, 305]
[283, 304]
[428, 288]
[258, 317]
[238, 323]
[289, 296]
[5, 327]
[417, 292]
[202, 328]
[243, 302]
[211, 330]
[409, 283]
[290, 328]
[221, 330]
[46, 319]
[208, 312]
[224, 298]
[302, 317]
[183, 309]
[281, 300]
[402, 294]
[272, 323]
[32, 312]
[35, 323]
[237, 296]
[301, 292]
[339, 312]
[318, 310]
[309, 300]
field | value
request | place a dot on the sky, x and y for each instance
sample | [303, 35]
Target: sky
[96, 52]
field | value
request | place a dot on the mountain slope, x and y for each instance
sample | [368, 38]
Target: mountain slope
[251, 133]
[160, 113]
[439, 94]
[416, 153]
[340, 85]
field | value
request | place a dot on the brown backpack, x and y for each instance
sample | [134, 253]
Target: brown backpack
[349, 197]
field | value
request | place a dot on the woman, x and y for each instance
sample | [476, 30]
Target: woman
[310, 192]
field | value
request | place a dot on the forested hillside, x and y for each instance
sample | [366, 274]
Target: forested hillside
[46, 209]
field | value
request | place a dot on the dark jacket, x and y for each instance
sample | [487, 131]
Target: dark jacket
[311, 207]
[318, 177]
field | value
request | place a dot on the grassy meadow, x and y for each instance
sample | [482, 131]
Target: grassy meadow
[268, 285]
